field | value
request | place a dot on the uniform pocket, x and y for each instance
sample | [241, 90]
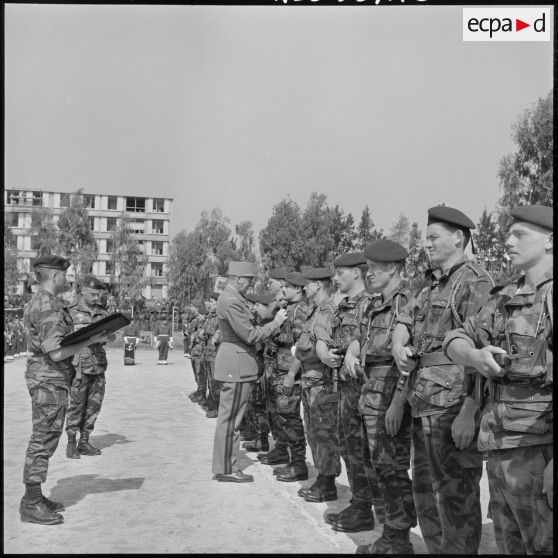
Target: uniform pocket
[284, 360]
[288, 404]
[535, 418]
[49, 406]
[325, 409]
[439, 385]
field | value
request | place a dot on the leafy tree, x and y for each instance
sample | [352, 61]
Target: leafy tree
[11, 270]
[348, 237]
[400, 230]
[490, 249]
[418, 260]
[45, 231]
[245, 232]
[318, 223]
[76, 239]
[366, 230]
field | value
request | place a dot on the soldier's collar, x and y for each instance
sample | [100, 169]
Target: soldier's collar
[436, 272]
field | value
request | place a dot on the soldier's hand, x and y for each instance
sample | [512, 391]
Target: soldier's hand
[350, 362]
[394, 416]
[548, 483]
[484, 362]
[332, 360]
[463, 430]
[280, 317]
[288, 385]
[403, 357]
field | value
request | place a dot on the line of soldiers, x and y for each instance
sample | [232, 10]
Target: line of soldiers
[460, 368]
[15, 342]
[201, 342]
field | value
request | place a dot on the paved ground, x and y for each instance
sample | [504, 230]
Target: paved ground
[151, 490]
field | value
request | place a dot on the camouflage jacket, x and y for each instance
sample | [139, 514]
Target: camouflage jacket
[47, 321]
[210, 328]
[92, 359]
[288, 334]
[443, 305]
[517, 318]
[196, 337]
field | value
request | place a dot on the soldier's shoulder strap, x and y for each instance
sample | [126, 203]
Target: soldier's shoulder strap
[478, 270]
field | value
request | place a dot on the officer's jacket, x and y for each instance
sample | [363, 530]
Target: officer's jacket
[47, 321]
[236, 357]
[443, 305]
[91, 359]
[517, 318]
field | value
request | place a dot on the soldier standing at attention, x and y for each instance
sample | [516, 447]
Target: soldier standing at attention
[350, 273]
[210, 330]
[383, 404]
[515, 325]
[447, 466]
[48, 375]
[319, 394]
[236, 367]
[88, 387]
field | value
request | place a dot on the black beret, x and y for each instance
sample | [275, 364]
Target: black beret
[316, 273]
[251, 297]
[352, 259]
[385, 251]
[444, 214]
[540, 215]
[215, 295]
[52, 262]
[264, 298]
[277, 273]
[295, 278]
[92, 282]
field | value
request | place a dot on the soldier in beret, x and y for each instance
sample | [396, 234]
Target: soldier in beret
[48, 375]
[211, 344]
[383, 404]
[350, 274]
[236, 367]
[319, 393]
[197, 357]
[447, 466]
[88, 387]
[517, 427]
[275, 282]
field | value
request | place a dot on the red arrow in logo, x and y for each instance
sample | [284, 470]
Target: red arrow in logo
[519, 25]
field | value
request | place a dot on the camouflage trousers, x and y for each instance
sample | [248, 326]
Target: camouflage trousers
[523, 520]
[86, 399]
[284, 418]
[48, 405]
[213, 385]
[352, 443]
[199, 371]
[320, 407]
[390, 455]
[256, 413]
[446, 486]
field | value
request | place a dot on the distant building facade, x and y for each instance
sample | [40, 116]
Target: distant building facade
[149, 220]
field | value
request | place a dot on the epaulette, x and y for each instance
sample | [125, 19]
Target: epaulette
[478, 269]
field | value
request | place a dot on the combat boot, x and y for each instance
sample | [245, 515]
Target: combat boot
[359, 518]
[284, 469]
[299, 471]
[381, 545]
[53, 506]
[33, 508]
[261, 444]
[379, 512]
[276, 456]
[71, 449]
[84, 447]
[324, 491]
[303, 491]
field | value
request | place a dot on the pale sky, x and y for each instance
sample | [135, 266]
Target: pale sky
[237, 106]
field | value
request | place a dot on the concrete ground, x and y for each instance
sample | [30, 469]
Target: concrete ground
[151, 490]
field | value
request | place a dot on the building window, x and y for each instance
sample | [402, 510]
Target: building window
[158, 205]
[157, 226]
[108, 268]
[13, 197]
[35, 242]
[137, 226]
[156, 269]
[110, 246]
[64, 200]
[135, 204]
[111, 224]
[89, 201]
[112, 201]
[91, 221]
[13, 219]
[37, 198]
[157, 248]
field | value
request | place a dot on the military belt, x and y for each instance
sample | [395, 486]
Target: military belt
[312, 365]
[378, 371]
[433, 359]
[522, 392]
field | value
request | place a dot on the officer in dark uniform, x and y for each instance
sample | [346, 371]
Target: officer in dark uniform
[48, 375]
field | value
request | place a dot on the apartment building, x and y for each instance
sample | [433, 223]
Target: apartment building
[149, 217]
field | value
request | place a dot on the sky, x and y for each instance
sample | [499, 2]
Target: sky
[237, 107]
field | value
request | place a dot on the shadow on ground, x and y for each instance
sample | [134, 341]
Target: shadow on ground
[72, 490]
[107, 440]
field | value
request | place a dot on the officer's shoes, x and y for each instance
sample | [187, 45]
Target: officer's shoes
[294, 474]
[38, 512]
[275, 457]
[262, 444]
[53, 506]
[354, 521]
[237, 476]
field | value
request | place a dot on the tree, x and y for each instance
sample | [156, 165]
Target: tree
[76, 239]
[45, 232]
[129, 261]
[245, 232]
[366, 230]
[488, 245]
[348, 236]
[319, 223]
[11, 270]
[418, 260]
[282, 240]
[400, 230]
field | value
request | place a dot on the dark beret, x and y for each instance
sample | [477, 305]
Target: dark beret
[352, 259]
[52, 262]
[92, 282]
[295, 278]
[251, 297]
[316, 273]
[444, 214]
[277, 273]
[385, 251]
[215, 296]
[263, 298]
[540, 215]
